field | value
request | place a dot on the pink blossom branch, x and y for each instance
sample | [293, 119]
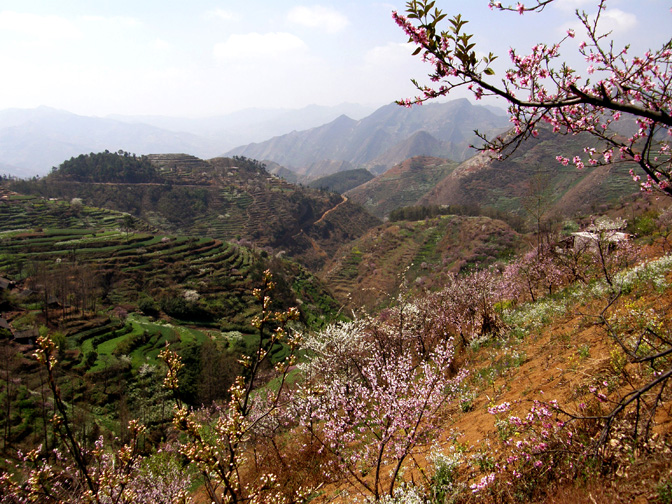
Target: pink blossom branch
[539, 92]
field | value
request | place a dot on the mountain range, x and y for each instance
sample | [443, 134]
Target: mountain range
[310, 142]
[32, 141]
[379, 141]
[252, 124]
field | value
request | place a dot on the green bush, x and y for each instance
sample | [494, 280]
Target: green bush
[148, 306]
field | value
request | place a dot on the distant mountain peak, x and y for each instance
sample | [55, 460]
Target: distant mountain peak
[383, 138]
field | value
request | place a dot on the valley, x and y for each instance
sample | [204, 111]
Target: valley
[188, 304]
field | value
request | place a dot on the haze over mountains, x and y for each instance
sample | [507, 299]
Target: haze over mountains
[379, 141]
[312, 142]
[394, 157]
[32, 141]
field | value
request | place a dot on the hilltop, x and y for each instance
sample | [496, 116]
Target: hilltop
[224, 198]
[32, 141]
[312, 141]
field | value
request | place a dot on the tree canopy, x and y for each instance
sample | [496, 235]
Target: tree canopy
[108, 166]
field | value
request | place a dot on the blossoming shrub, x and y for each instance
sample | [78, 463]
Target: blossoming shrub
[221, 443]
[374, 393]
[540, 448]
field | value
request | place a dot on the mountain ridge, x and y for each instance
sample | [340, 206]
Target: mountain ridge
[502, 185]
[372, 140]
[32, 141]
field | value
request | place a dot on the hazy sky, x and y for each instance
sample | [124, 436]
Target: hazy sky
[206, 57]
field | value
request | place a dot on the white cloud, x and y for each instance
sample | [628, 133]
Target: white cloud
[161, 45]
[615, 21]
[384, 74]
[39, 27]
[222, 14]
[324, 18]
[618, 21]
[390, 54]
[257, 46]
[115, 21]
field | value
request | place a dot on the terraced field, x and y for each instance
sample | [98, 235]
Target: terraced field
[403, 257]
[224, 198]
[112, 291]
[94, 256]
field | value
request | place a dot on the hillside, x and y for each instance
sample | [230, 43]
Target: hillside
[527, 422]
[402, 185]
[386, 137]
[222, 198]
[530, 177]
[533, 172]
[408, 257]
[342, 181]
[41, 237]
[543, 379]
[420, 142]
[115, 293]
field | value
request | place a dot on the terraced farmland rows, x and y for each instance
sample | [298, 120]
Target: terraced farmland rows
[98, 262]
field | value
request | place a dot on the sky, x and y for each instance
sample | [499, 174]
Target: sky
[199, 58]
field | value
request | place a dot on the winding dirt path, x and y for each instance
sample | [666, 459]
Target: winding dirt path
[324, 215]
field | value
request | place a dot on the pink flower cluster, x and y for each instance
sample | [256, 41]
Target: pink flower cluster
[540, 445]
[375, 391]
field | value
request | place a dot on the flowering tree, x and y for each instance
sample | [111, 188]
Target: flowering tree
[467, 305]
[219, 447]
[97, 476]
[611, 248]
[374, 392]
[542, 89]
[535, 270]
